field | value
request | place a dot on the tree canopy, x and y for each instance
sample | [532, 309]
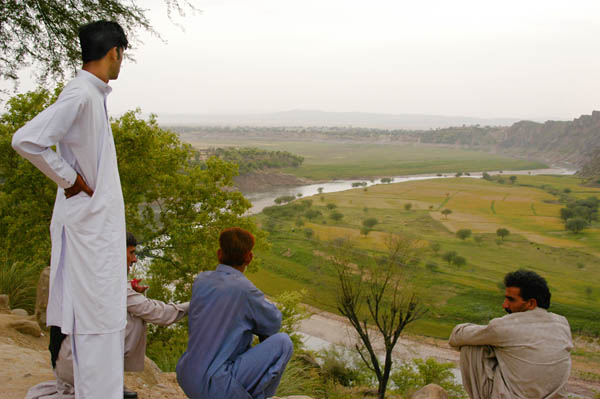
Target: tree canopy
[44, 33]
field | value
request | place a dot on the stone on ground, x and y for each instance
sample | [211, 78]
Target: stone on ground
[26, 327]
[19, 312]
[41, 297]
[4, 304]
[431, 391]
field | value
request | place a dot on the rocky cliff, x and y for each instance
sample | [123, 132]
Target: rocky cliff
[574, 141]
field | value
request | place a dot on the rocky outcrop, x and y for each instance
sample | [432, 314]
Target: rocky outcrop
[431, 391]
[4, 304]
[591, 169]
[41, 298]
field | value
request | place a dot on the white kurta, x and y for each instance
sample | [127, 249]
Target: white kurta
[87, 276]
[531, 350]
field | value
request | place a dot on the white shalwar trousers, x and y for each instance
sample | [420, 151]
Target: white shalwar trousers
[98, 365]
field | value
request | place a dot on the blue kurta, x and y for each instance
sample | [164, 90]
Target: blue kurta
[225, 312]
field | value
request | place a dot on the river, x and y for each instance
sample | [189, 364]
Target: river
[261, 200]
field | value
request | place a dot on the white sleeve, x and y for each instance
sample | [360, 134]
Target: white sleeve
[33, 141]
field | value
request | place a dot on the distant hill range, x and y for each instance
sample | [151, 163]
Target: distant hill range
[576, 142]
[310, 118]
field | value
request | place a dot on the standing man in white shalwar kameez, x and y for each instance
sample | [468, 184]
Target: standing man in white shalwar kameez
[87, 278]
[523, 355]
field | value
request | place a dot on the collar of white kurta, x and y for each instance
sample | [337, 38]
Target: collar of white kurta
[228, 269]
[98, 83]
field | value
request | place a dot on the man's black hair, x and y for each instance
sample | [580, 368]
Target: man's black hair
[131, 240]
[531, 285]
[96, 38]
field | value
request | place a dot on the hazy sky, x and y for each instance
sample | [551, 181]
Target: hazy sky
[523, 59]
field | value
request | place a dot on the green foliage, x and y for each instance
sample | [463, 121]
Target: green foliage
[478, 238]
[435, 247]
[175, 206]
[463, 234]
[337, 367]
[337, 216]
[459, 261]
[250, 159]
[449, 256]
[365, 231]
[331, 206]
[292, 312]
[284, 199]
[299, 222]
[312, 214]
[387, 180]
[412, 377]
[446, 212]
[370, 222]
[301, 378]
[502, 232]
[18, 280]
[308, 232]
[407, 206]
[513, 179]
[432, 266]
[575, 224]
[166, 345]
[359, 184]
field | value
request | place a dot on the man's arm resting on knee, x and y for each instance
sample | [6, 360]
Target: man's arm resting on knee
[267, 317]
[469, 334]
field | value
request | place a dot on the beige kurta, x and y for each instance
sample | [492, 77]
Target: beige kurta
[140, 310]
[531, 351]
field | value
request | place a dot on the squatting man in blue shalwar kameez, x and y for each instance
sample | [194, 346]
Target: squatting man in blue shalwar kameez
[225, 312]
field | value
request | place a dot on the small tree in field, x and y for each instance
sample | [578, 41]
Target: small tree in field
[463, 234]
[337, 216]
[502, 232]
[375, 297]
[459, 261]
[446, 212]
[513, 179]
[576, 224]
[449, 256]
[370, 222]
[407, 206]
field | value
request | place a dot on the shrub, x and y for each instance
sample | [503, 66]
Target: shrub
[337, 216]
[407, 206]
[411, 377]
[432, 266]
[370, 222]
[463, 234]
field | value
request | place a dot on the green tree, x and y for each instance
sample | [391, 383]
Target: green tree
[370, 222]
[446, 212]
[463, 234]
[502, 232]
[435, 247]
[320, 190]
[407, 206]
[331, 206]
[576, 224]
[308, 232]
[365, 231]
[44, 33]
[459, 261]
[513, 179]
[376, 294]
[449, 256]
[337, 216]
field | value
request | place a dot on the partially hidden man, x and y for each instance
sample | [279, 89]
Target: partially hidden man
[140, 311]
[525, 354]
[87, 274]
[225, 312]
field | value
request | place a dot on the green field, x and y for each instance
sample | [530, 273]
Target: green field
[336, 160]
[570, 262]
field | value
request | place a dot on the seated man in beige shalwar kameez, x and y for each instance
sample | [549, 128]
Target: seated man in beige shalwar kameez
[140, 310]
[524, 354]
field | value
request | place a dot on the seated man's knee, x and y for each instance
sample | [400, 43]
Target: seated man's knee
[283, 341]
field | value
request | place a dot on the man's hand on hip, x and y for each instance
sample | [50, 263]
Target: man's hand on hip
[79, 186]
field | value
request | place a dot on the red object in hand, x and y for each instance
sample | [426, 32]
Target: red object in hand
[135, 285]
